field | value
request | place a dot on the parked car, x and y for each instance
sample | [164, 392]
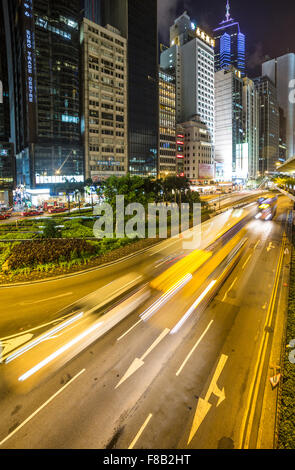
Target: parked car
[32, 213]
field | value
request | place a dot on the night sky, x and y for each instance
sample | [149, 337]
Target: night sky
[269, 25]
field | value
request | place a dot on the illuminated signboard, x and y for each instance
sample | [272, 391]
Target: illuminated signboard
[29, 41]
[204, 36]
[30, 65]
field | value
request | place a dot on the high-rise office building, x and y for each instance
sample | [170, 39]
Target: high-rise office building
[170, 61]
[104, 101]
[167, 122]
[251, 126]
[282, 137]
[269, 125]
[230, 153]
[45, 42]
[180, 135]
[281, 72]
[137, 21]
[7, 158]
[191, 56]
[230, 47]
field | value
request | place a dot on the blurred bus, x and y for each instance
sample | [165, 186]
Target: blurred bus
[267, 208]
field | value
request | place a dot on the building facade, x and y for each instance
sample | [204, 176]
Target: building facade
[137, 22]
[167, 121]
[251, 126]
[230, 153]
[7, 157]
[105, 114]
[283, 151]
[191, 56]
[198, 151]
[170, 61]
[230, 47]
[269, 125]
[180, 135]
[45, 43]
[281, 72]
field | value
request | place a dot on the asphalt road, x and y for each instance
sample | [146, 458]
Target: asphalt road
[140, 386]
[27, 306]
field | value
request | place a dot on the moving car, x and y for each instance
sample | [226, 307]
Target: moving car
[4, 216]
[56, 210]
[32, 213]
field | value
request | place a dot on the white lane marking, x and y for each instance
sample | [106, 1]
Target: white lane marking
[160, 264]
[130, 329]
[227, 292]
[45, 300]
[155, 343]
[259, 241]
[247, 261]
[138, 363]
[41, 407]
[140, 431]
[194, 348]
[164, 248]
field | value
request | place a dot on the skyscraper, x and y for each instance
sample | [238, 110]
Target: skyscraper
[104, 101]
[282, 73]
[230, 48]
[251, 126]
[137, 21]
[167, 122]
[191, 58]
[7, 158]
[232, 162]
[46, 58]
[269, 125]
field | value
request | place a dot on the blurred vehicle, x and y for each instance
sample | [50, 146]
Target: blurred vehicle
[32, 213]
[267, 208]
[4, 216]
[56, 210]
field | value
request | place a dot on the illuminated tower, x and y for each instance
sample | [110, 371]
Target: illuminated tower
[230, 48]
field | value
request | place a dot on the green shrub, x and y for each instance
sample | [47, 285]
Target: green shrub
[48, 251]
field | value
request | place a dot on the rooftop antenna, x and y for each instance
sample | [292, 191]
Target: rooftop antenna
[227, 15]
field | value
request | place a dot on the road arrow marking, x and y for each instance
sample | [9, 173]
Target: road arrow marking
[270, 246]
[203, 406]
[138, 363]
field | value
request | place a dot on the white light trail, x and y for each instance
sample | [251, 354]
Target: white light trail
[57, 353]
[42, 338]
[192, 308]
[165, 297]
